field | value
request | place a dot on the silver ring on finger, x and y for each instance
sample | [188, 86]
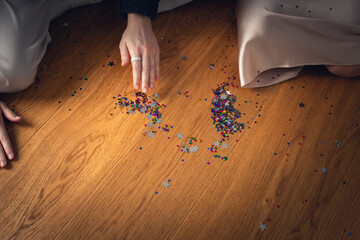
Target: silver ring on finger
[135, 59]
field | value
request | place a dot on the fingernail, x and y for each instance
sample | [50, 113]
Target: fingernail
[2, 164]
[145, 90]
[152, 85]
[11, 156]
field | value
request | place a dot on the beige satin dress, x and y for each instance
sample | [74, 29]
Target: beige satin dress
[277, 38]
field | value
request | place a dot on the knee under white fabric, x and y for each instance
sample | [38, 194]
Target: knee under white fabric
[24, 37]
[277, 38]
[23, 40]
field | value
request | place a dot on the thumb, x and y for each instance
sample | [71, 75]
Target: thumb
[8, 113]
[124, 53]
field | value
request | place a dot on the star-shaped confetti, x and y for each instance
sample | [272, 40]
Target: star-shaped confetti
[193, 149]
[166, 184]
[211, 66]
[324, 169]
[156, 95]
[148, 116]
[228, 92]
[151, 135]
[302, 105]
[223, 96]
[180, 136]
[224, 145]
[150, 125]
[216, 144]
[131, 112]
[263, 226]
[158, 121]
[338, 143]
[111, 64]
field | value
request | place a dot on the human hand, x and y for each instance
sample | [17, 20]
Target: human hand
[6, 149]
[139, 40]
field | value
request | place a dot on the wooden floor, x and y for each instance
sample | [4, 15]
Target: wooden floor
[84, 168]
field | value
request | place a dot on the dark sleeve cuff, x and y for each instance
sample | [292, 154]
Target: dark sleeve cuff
[145, 7]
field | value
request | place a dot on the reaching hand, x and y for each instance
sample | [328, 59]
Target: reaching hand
[6, 149]
[139, 40]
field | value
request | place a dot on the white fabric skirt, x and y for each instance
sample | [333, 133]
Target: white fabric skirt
[277, 38]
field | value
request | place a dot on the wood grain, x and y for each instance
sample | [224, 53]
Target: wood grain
[91, 173]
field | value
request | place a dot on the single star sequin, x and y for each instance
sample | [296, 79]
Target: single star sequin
[302, 105]
[324, 169]
[211, 66]
[150, 125]
[263, 226]
[223, 96]
[166, 184]
[158, 121]
[156, 95]
[224, 145]
[151, 135]
[193, 149]
[216, 144]
[111, 64]
[180, 136]
[148, 116]
[228, 92]
[338, 143]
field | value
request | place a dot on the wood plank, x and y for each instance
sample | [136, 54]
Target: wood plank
[133, 209]
[73, 150]
[311, 204]
[82, 174]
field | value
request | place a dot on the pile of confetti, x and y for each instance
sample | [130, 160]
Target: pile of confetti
[142, 104]
[224, 114]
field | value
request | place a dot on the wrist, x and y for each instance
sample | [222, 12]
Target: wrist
[138, 19]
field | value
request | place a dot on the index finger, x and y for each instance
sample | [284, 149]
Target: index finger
[5, 140]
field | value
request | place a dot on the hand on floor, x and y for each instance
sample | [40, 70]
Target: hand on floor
[6, 149]
[139, 40]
